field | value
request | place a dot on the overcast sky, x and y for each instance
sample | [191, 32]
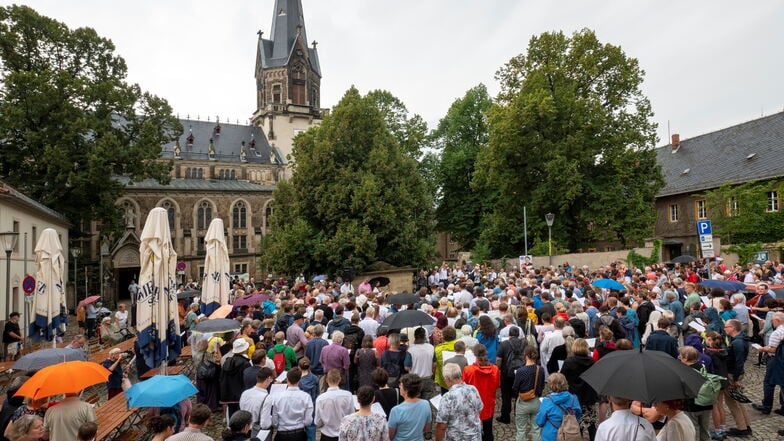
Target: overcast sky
[709, 64]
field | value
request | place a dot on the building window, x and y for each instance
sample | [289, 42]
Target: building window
[201, 273]
[674, 215]
[188, 173]
[204, 215]
[239, 243]
[201, 247]
[239, 215]
[16, 245]
[35, 236]
[233, 174]
[170, 212]
[701, 209]
[201, 173]
[732, 207]
[241, 268]
[773, 202]
[276, 93]
[222, 174]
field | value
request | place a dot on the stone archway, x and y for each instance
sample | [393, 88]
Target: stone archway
[126, 267]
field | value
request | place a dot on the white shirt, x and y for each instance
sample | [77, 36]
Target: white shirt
[369, 326]
[288, 410]
[504, 332]
[252, 400]
[549, 343]
[331, 407]
[422, 359]
[122, 318]
[621, 426]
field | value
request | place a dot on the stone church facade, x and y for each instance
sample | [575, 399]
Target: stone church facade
[221, 169]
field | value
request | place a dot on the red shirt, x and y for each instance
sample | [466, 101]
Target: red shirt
[486, 379]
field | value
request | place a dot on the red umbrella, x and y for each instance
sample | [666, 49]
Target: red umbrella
[88, 300]
[250, 299]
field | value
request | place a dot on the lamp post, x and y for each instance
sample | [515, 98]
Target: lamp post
[104, 253]
[76, 252]
[549, 218]
[8, 240]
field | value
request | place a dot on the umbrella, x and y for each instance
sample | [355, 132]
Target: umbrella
[320, 277]
[160, 391]
[403, 299]
[88, 300]
[49, 299]
[188, 293]
[216, 325]
[250, 299]
[727, 285]
[684, 259]
[46, 357]
[157, 320]
[63, 378]
[408, 319]
[382, 281]
[215, 286]
[221, 312]
[608, 284]
[644, 376]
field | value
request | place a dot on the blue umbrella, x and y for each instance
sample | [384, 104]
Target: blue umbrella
[608, 284]
[320, 277]
[726, 285]
[160, 391]
[46, 357]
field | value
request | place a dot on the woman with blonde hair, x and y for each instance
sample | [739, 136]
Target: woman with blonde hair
[27, 428]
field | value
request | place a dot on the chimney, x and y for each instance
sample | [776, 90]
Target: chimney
[676, 142]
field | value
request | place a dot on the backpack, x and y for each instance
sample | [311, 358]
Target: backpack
[530, 334]
[174, 413]
[279, 360]
[283, 323]
[514, 360]
[570, 428]
[709, 391]
[628, 326]
[608, 321]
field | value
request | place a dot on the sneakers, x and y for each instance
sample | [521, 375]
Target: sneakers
[718, 434]
[760, 408]
[741, 433]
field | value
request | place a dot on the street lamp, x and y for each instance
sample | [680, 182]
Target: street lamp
[76, 252]
[8, 240]
[549, 218]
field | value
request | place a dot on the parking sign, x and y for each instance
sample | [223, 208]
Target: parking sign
[704, 227]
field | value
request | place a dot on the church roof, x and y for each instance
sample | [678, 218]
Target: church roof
[745, 152]
[227, 142]
[194, 185]
[288, 23]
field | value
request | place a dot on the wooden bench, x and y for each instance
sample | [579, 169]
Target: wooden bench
[112, 416]
[170, 370]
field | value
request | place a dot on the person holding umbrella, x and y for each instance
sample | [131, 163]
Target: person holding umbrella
[62, 422]
[113, 364]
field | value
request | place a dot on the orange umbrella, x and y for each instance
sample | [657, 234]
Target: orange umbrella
[221, 312]
[63, 378]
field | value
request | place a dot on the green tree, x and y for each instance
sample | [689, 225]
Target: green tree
[460, 135]
[410, 131]
[354, 197]
[68, 119]
[571, 134]
[741, 214]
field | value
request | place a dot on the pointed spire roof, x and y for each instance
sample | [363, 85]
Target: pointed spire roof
[288, 24]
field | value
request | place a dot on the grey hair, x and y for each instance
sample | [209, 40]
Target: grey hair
[22, 426]
[337, 337]
[452, 372]
[318, 330]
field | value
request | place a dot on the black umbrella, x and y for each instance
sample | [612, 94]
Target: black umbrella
[685, 259]
[403, 299]
[382, 281]
[408, 319]
[216, 325]
[46, 357]
[643, 376]
[188, 293]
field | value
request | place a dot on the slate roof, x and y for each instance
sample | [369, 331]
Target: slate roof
[227, 144]
[13, 195]
[195, 185]
[287, 17]
[745, 152]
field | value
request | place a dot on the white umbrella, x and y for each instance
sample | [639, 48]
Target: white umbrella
[215, 286]
[49, 300]
[156, 304]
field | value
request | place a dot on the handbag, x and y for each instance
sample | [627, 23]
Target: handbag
[207, 370]
[530, 394]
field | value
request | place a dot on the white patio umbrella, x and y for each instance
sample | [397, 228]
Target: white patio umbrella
[49, 299]
[215, 286]
[157, 320]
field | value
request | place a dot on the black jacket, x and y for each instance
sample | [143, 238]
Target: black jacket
[232, 383]
[573, 367]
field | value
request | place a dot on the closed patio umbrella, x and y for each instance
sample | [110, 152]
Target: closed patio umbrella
[215, 286]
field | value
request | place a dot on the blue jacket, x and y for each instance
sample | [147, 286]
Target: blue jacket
[550, 415]
[739, 351]
[660, 340]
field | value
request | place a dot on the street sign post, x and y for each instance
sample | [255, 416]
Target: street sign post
[705, 231]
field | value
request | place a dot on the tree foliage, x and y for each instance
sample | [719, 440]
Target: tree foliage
[354, 197]
[741, 214]
[68, 119]
[571, 134]
[460, 135]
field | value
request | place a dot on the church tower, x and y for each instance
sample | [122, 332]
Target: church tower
[288, 79]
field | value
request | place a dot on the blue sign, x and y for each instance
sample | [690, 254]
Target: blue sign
[704, 227]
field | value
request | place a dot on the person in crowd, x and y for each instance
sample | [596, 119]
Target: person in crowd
[450, 338]
[12, 402]
[239, 425]
[12, 336]
[394, 360]
[528, 384]
[678, 426]
[486, 378]
[719, 359]
[510, 355]
[466, 336]
[420, 354]
[366, 361]
[364, 425]
[62, 421]
[488, 336]
[459, 358]
[558, 401]
[335, 356]
[87, 431]
[624, 425]
[114, 364]
[774, 371]
[332, 406]
[313, 349]
[604, 344]
[232, 383]
[560, 353]
[27, 428]
[660, 340]
[699, 415]
[209, 388]
[252, 399]
[458, 415]
[295, 336]
[289, 356]
[309, 384]
[196, 422]
[572, 369]
[91, 314]
[411, 419]
[387, 397]
[258, 361]
[288, 412]
[737, 352]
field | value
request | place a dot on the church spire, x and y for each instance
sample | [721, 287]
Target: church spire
[287, 23]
